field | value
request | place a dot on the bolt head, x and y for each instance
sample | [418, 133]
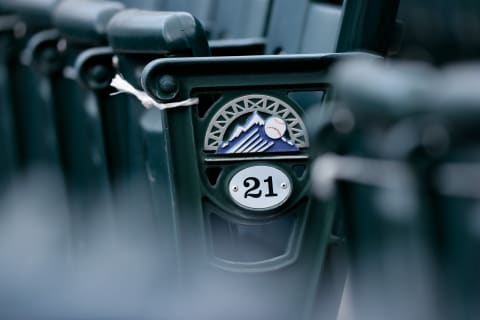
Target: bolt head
[99, 73]
[168, 84]
[167, 87]
[99, 76]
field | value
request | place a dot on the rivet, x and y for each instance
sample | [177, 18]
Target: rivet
[100, 73]
[234, 188]
[50, 55]
[283, 185]
[168, 84]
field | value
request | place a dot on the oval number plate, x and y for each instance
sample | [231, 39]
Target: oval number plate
[260, 188]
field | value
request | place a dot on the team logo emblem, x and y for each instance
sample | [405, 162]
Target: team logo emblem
[258, 135]
[256, 124]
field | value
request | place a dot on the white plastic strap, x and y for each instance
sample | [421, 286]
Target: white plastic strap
[123, 86]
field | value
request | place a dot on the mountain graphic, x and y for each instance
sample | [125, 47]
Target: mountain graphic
[251, 138]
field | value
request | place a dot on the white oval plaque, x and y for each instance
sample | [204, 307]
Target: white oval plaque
[260, 188]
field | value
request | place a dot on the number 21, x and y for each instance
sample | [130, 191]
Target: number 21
[254, 184]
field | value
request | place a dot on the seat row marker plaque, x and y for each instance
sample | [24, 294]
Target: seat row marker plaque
[260, 188]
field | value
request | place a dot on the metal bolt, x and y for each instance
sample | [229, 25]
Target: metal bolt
[283, 185]
[48, 59]
[234, 188]
[168, 84]
[99, 73]
[49, 55]
[98, 76]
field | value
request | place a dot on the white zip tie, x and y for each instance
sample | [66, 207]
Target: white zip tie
[123, 86]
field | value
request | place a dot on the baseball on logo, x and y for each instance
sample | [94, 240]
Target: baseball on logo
[275, 127]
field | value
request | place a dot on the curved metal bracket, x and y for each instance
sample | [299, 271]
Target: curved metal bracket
[266, 72]
[41, 52]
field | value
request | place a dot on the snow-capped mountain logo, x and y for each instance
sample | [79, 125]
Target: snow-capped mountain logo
[258, 135]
